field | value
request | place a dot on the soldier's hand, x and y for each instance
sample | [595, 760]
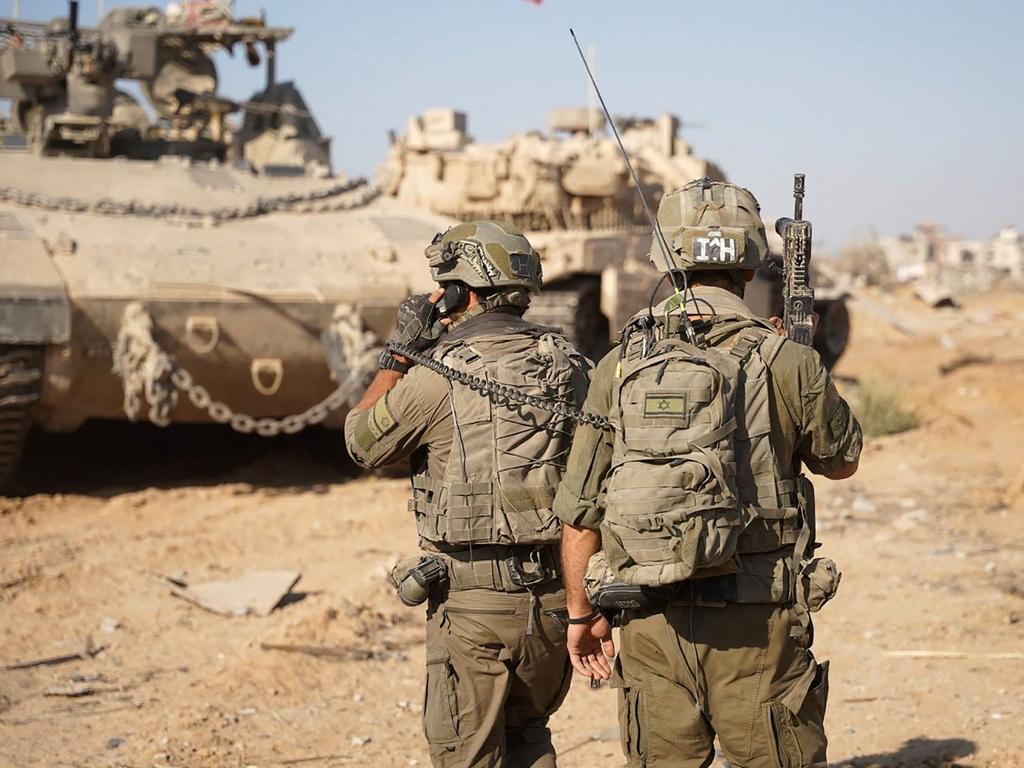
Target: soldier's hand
[418, 326]
[780, 326]
[590, 647]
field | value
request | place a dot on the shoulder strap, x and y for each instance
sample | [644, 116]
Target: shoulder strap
[770, 348]
[748, 342]
[724, 326]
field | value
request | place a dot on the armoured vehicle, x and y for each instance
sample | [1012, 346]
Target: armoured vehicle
[205, 265]
[570, 191]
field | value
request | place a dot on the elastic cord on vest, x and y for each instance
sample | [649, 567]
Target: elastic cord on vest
[500, 394]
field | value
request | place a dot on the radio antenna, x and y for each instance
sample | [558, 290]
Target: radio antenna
[666, 252]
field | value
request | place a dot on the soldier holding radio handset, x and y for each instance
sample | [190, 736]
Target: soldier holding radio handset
[484, 418]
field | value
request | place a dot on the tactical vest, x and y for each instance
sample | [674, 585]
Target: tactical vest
[696, 488]
[506, 459]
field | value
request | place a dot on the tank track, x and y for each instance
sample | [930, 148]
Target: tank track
[575, 307]
[21, 382]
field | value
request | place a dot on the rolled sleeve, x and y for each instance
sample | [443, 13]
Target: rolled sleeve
[833, 435]
[396, 425]
[578, 500]
[830, 437]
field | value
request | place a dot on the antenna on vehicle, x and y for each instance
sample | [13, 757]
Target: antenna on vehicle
[666, 252]
[592, 125]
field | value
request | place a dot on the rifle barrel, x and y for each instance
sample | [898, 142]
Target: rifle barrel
[798, 196]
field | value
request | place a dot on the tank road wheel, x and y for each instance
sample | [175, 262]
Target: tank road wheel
[575, 307]
[833, 331]
[21, 380]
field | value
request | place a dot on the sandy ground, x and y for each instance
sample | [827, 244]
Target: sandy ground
[930, 535]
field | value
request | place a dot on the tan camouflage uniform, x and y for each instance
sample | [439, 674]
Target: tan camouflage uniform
[728, 656]
[484, 482]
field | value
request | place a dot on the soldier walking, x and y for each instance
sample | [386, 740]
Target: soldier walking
[486, 469]
[695, 506]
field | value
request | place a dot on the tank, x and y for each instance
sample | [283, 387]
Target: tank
[570, 190]
[201, 265]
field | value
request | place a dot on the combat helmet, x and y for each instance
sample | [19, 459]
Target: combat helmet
[711, 225]
[485, 254]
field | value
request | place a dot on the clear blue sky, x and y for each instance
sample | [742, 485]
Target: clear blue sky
[898, 112]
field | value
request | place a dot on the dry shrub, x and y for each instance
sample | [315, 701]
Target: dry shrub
[882, 410]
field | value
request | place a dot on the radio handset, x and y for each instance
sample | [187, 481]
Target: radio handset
[455, 297]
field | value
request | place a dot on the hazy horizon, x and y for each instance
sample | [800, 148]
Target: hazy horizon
[898, 113]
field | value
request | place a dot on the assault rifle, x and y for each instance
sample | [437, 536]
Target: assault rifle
[797, 294]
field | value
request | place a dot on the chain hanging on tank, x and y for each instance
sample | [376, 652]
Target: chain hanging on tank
[339, 197]
[501, 394]
[153, 377]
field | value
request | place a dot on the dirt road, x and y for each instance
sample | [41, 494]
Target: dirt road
[930, 535]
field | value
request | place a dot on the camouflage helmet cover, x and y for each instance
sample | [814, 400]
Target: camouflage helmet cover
[485, 254]
[711, 225]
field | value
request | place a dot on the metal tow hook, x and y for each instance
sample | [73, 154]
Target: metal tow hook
[263, 367]
[202, 332]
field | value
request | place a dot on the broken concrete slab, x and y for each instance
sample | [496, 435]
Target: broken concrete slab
[935, 296]
[257, 592]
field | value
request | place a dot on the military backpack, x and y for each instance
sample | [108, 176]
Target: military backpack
[695, 482]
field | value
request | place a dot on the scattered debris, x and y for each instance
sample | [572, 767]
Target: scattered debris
[109, 625]
[72, 689]
[311, 758]
[969, 359]
[963, 361]
[26, 574]
[935, 296]
[88, 652]
[341, 652]
[361, 741]
[925, 654]
[257, 592]
[79, 711]
[115, 742]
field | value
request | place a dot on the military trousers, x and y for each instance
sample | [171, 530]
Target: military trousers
[497, 669]
[690, 672]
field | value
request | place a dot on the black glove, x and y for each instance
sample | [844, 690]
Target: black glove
[419, 326]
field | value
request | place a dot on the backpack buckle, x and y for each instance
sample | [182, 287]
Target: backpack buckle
[527, 578]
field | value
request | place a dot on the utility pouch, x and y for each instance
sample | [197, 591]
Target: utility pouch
[819, 582]
[414, 577]
[620, 596]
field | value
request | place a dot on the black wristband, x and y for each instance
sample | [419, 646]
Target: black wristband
[585, 619]
[387, 362]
